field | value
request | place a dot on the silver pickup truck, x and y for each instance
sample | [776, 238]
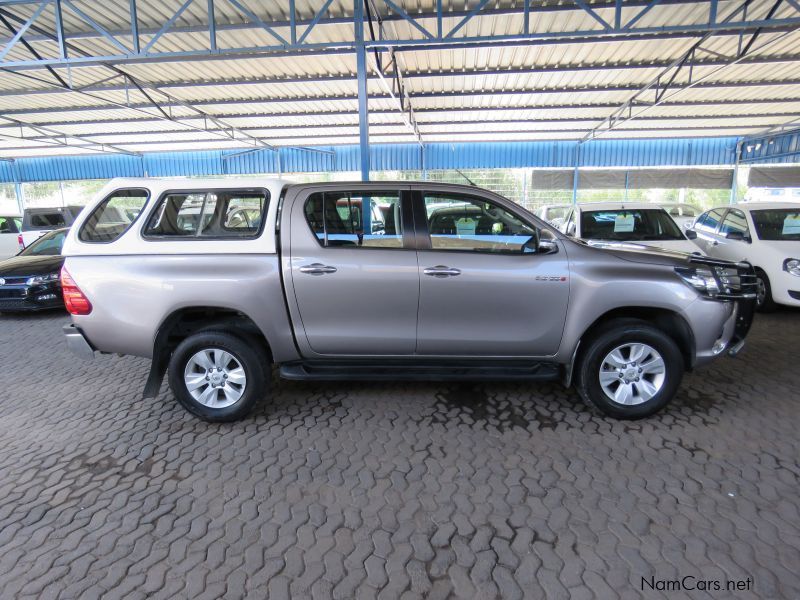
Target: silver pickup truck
[217, 280]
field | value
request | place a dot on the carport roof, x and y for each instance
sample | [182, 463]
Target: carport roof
[520, 71]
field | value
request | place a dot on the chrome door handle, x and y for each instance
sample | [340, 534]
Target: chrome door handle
[317, 269]
[441, 271]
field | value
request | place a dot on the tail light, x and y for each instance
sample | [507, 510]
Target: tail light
[74, 299]
[20, 242]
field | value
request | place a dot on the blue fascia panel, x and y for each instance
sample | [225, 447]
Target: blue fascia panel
[57, 168]
[776, 149]
[400, 157]
[7, 174]
[179, 164]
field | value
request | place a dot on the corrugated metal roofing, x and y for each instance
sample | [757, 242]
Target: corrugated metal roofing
[469, 96]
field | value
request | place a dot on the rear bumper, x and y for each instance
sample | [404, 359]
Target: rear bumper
[77, 342]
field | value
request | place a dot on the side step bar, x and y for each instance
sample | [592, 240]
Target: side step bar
[419, 371]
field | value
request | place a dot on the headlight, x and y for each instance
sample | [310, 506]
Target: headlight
[792, 266]
[39, 279]
[700, 278]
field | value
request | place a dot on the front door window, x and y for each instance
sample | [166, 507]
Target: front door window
[475, 225]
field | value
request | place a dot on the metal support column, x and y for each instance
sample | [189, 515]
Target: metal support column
[361, 67]
[735, 180]
[627, 176]
[20, 196]
[575, 174]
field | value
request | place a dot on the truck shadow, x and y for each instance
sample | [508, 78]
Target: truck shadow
[498, 407]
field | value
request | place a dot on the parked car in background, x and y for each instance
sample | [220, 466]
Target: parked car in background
[683, 214]
[553, 213]
[9, 235]
[464, 285]
[38, 221]
[30, 280]
[765, 234]
[628, 222]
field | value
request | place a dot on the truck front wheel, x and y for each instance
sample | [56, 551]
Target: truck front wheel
[218, 376]
[630, 370]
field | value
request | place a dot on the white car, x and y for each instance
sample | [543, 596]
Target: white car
[627, 222]
[9, 235]
[683, 214]
[38, 221]
[765, 234]
[553, 213]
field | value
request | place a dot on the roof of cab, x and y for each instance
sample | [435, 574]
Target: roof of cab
[200, 182]
[764, 205]
[618, 206]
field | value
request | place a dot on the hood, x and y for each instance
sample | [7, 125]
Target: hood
[676, 245]
[18, 266]
[641, 253]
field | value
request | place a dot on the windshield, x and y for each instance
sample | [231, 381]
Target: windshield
[557, 212]
[629, 225]
[47, 245]
[680, 210]
[778, 224]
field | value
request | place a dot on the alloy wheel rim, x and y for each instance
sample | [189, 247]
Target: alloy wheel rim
[632, 374]
[215, 378]
[761, 291]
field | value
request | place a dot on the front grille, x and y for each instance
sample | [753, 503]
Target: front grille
[12, 293]
[735, 280]
[14, 280]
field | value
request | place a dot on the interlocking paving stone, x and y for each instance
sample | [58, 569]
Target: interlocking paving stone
[406, 490]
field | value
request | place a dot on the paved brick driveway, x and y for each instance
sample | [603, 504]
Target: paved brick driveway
[394, 491]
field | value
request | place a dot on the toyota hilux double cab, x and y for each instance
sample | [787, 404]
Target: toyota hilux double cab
[456, 283]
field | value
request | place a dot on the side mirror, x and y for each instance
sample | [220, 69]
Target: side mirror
[691, 234]
[735, 235]
[547, 246]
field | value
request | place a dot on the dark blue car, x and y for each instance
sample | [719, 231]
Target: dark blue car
[30, 280]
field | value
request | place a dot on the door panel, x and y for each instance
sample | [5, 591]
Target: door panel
[9, 245]
[498, 299]
[732, 249]
[355, 278]
[706, 228]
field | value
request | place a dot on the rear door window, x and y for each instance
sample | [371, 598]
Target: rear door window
[735, 222]
[217, 214]
[8, 225]
[356, 219]
[113, 216]
[708, 222]
[46, 220]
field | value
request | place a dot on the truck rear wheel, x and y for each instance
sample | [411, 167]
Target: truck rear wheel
[630, 370]
[218, 376]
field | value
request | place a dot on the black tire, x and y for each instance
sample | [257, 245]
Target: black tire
[767, 304]
[617, 333]
[253, 361]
